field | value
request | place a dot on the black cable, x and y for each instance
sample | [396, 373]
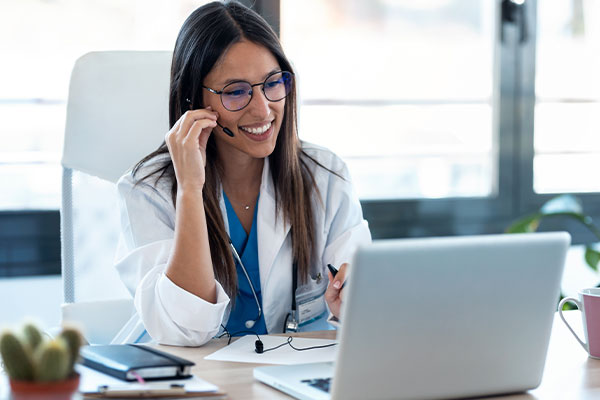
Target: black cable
[294, 284]
[276, 347]
[226, 333]
[286, 320]
[288, 341]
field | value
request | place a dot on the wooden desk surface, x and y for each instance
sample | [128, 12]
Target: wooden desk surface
[569, 373]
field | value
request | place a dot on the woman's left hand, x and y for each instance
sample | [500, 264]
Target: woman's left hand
[334, 293]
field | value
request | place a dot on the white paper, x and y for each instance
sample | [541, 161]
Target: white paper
[242, 350]
[4, 386]
[91, 379]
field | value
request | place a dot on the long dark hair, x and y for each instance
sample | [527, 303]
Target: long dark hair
[206, 34]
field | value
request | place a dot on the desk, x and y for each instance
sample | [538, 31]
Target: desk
[568, 375]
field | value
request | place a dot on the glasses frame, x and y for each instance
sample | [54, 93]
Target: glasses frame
[261, 84]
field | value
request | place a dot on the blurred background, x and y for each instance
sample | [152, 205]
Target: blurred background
[454, 116]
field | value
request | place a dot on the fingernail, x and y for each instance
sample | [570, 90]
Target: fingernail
[209, 108]
[337, 284]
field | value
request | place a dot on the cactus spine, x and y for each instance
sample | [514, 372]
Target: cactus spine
[17, 362]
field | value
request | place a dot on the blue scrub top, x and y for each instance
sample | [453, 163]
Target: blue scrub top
[247, 247]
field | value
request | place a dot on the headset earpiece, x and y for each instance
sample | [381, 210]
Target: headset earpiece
[259, 348]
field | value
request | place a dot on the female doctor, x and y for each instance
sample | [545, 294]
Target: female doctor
[231, 222]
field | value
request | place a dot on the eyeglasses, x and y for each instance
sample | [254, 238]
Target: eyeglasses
[237, 95]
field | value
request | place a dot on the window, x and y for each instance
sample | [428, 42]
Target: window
[451, 121]
[567, 88]
[46, 39]
[403, 90]
[452, 118]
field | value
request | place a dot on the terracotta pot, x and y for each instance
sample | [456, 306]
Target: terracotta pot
[60, 390]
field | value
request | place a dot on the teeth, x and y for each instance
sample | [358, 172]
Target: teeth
[257, 131]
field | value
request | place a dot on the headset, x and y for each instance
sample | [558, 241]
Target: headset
[226, 130]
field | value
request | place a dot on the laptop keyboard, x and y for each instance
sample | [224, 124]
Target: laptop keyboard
[320, 383]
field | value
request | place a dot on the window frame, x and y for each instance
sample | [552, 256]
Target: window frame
[514, 92]
[38, 231]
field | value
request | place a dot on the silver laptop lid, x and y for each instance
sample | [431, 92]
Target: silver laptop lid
[448, 317]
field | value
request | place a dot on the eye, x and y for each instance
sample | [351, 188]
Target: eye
[235, 92]
[237, 89]
[274, 83]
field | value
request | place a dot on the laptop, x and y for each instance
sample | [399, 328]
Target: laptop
[439, 318]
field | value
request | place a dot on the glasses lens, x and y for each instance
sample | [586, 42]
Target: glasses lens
[236, 95]
[278, 86]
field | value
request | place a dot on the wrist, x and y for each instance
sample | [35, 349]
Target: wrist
[189, 193]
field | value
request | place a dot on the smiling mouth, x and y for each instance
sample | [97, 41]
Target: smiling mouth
[257, 130]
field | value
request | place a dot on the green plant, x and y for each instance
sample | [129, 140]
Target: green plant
[565, 206]
[29, 356]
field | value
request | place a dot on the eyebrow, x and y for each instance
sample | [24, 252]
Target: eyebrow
[228, 81]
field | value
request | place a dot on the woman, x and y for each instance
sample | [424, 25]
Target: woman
[232, 179]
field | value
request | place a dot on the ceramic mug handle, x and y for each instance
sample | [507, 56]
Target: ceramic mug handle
[580, 307]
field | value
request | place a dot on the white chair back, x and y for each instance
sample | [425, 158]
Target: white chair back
[117, 112]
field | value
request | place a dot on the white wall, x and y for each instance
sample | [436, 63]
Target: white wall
[37, 298]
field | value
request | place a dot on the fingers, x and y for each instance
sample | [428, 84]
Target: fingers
[334, 295]
[336, 285]
[194, 134]
[191, 116]
[340, 277]
[204, 135]
[186, 142]
[182, 127]
[331, 294]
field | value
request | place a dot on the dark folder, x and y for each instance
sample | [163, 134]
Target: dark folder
[129, 361]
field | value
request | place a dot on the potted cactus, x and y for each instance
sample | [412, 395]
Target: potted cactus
[38, 366]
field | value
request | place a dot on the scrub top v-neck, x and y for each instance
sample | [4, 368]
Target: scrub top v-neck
[246, 245]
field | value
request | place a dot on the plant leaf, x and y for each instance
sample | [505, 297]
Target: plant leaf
[592, 257]
[565, 203]
[526, 224]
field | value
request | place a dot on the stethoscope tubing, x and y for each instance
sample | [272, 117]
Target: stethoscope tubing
[239, 261]
[292, 314]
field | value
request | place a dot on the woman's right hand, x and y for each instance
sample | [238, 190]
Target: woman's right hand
[186, 142]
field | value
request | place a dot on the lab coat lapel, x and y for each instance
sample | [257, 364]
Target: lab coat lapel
[272, 231]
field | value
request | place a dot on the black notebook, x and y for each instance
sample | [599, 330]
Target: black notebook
[129, 361]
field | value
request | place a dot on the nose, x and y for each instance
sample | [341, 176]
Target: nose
[259, 105]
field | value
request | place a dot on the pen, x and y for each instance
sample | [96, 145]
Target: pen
[334, 272]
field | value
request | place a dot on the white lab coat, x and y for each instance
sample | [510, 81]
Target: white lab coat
[170, 314]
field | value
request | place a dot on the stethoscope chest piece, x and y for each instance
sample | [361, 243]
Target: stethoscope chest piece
[291, 324]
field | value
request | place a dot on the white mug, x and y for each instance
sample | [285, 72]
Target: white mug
[589, 305]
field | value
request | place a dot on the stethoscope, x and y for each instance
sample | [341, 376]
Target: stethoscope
[291, 323]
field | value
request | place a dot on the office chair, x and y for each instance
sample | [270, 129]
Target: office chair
[117, 112]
